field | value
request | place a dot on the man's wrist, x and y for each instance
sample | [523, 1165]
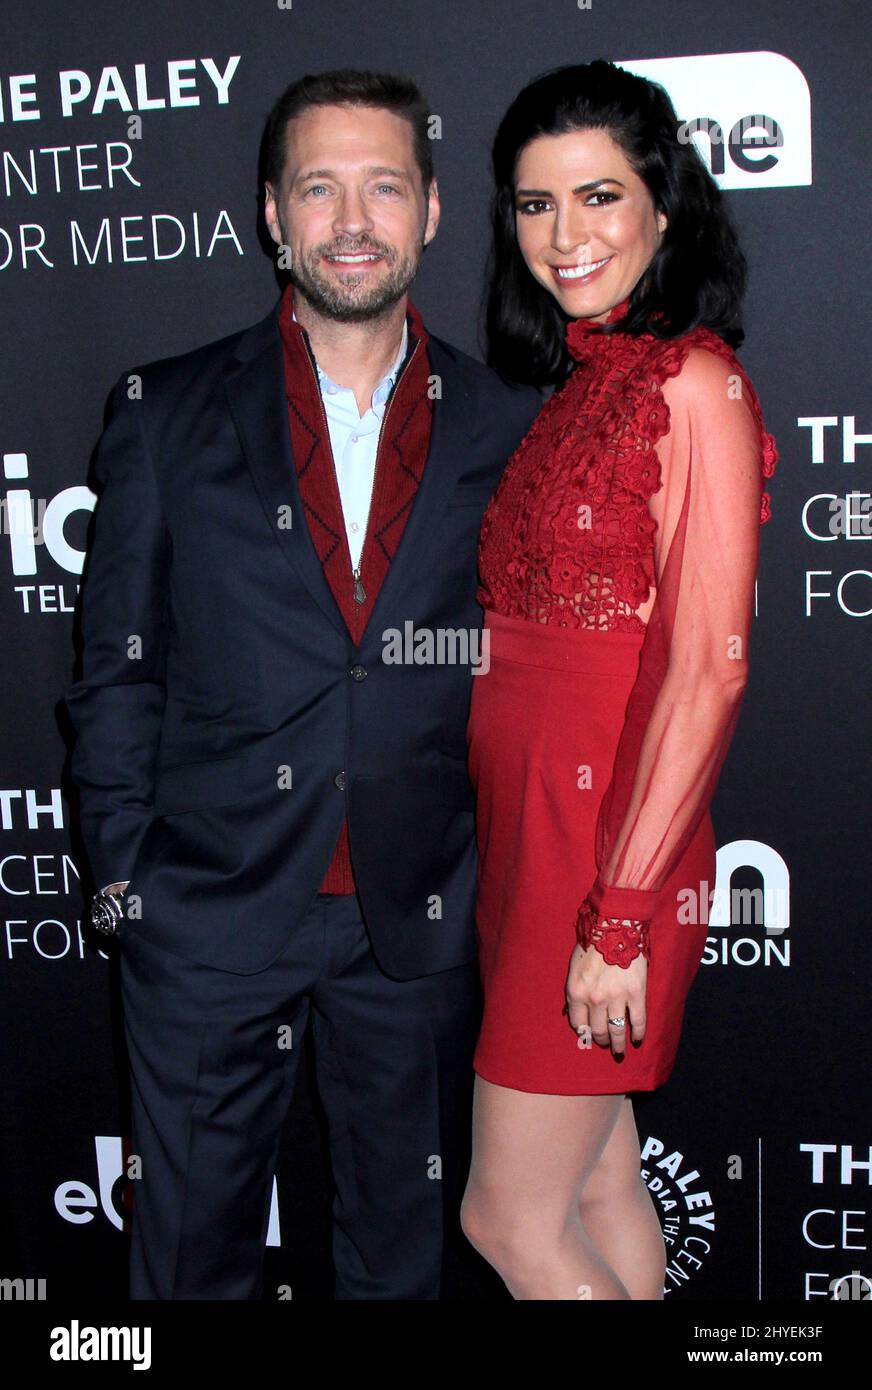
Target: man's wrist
[106, 908]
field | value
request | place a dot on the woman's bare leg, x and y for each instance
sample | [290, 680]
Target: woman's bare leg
[619, 1215]
[528, 1206]
[531, 1156]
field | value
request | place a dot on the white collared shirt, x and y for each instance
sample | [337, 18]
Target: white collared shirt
[354, 443]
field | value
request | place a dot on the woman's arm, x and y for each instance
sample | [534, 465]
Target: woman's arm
[693, 665]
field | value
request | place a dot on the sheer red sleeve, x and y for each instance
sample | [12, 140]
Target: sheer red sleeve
[693, 663]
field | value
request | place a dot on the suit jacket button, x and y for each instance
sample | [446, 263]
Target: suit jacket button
[358, 673]
[339, 781]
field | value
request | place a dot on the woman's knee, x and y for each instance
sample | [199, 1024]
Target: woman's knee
[511, 1238]
[483, 1223]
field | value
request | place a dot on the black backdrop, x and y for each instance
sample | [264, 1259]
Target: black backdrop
[758, 1148]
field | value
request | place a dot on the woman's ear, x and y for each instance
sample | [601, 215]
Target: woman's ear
[662, 222]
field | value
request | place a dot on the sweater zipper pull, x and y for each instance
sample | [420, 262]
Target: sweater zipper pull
[359, 591]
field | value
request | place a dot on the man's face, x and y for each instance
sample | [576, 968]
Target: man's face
[351, 209]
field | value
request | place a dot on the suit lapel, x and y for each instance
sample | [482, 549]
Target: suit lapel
[449, 450]
[255, 387]
[254, 383]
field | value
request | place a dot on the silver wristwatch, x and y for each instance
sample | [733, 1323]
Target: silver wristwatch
[106, 912]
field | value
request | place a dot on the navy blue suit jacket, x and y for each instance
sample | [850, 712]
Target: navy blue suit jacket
[220, 734]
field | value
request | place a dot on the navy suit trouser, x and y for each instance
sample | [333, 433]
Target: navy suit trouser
[213, 1058]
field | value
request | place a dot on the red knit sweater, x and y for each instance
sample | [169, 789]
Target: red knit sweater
[402, 454]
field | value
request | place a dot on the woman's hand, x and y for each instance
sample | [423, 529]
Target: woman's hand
[597, 992]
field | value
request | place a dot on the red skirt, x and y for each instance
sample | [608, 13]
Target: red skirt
[553, 701]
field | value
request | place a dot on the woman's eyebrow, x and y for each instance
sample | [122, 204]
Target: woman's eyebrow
[582, 188]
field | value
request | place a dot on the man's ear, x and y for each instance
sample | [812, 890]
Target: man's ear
[434, 211]
[270, 209]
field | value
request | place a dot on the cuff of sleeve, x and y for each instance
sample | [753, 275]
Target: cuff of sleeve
[637, 903]
[619, 942]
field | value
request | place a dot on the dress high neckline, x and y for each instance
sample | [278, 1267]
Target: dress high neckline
[580, 332]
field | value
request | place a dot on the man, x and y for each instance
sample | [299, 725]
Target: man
[288, 808]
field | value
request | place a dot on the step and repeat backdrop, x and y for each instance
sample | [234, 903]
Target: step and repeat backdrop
[130, 230]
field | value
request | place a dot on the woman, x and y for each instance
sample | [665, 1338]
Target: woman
[618, 561]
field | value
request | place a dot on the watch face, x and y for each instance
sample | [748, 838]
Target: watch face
[103, 918]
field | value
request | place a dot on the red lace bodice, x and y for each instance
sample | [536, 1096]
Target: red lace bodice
[568, 537]
[643, 476]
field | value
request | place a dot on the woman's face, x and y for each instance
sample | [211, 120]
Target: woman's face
[586, 223]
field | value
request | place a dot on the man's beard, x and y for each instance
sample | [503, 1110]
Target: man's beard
[350, 301]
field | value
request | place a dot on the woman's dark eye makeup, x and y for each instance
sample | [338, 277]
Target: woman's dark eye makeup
[533, 206]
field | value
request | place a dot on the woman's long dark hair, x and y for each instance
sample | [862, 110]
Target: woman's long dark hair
[697, 274]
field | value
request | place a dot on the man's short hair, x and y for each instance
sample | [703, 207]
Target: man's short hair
[349, 87]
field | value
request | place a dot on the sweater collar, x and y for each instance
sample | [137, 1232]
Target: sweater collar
[293, 332]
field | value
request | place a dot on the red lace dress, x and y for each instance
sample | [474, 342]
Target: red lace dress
[618, 559]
